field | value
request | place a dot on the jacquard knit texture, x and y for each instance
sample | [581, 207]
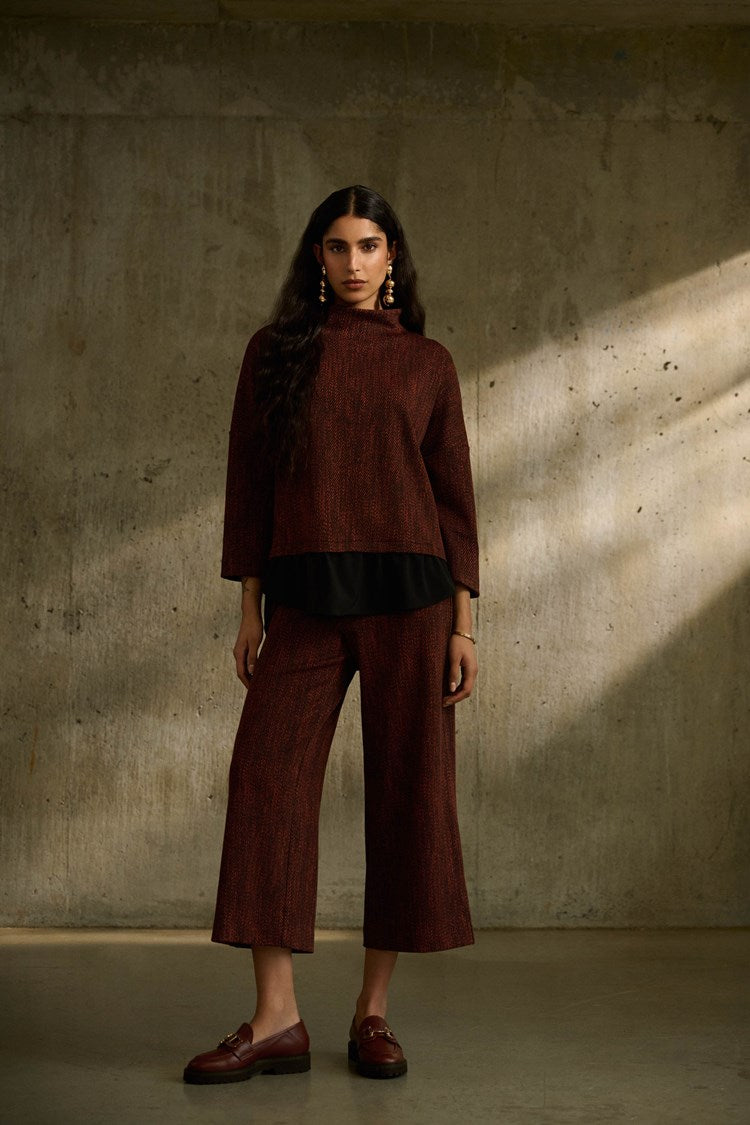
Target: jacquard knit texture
[389, 466]
[415, 890]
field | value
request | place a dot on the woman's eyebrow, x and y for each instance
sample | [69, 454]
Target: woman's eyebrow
[343, 242]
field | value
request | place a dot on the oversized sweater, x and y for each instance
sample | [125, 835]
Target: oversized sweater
[389, 467]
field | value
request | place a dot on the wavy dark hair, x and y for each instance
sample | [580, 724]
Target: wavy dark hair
[289, 355]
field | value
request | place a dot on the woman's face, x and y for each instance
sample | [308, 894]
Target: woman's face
[355, 254]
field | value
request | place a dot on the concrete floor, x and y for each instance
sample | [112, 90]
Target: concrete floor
[524, 1028]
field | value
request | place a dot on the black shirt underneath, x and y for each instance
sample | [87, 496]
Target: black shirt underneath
[339, 583]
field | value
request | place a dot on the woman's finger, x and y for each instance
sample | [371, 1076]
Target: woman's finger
[454, 674]
[241, 654]
[462, 690]
[467, 681]
[454, 682]
[462, 693]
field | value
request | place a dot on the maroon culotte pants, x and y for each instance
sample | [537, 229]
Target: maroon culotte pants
[415, 892]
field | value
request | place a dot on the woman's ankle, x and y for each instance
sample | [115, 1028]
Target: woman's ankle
[369, 1006]
[275, 1001]
[269, 1022]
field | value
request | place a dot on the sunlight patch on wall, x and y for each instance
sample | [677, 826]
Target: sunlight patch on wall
[615, 485]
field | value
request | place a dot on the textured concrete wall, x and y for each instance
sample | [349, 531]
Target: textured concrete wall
[577, 203]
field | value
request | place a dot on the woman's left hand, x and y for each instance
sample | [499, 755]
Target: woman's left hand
[461, 662]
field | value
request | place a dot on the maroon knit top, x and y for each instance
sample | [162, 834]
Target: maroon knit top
[388, 479]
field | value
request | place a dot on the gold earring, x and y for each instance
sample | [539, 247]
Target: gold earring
[322, 296]
[388, 298]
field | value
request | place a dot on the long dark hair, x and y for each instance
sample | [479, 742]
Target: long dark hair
[289, 356]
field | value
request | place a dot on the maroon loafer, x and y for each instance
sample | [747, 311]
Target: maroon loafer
[374, 1050]
[237, 1057]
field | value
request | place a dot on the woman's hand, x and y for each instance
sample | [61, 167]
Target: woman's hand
[461, 661]
[247, 644]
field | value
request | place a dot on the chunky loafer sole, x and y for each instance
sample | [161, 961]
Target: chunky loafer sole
[374, 1070]
[294, 1064]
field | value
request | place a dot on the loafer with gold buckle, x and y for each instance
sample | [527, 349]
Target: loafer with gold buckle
[237, 1057]
[374, 1050]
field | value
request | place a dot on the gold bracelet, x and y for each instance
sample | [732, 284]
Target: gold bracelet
[467, 635]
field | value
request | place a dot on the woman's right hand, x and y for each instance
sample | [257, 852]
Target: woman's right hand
[247, 644]
[251, 630]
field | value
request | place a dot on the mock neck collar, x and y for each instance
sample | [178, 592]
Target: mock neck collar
[343, 316]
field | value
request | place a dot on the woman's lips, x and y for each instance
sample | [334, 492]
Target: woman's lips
[354, 284]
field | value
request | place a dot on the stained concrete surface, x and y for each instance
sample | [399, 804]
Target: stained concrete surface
[524, 1028]
[576, 201]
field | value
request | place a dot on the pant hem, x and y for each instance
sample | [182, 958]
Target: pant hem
[437, 946]
[276, 944]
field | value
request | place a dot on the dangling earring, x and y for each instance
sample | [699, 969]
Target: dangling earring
[322, 296]
[388, 298]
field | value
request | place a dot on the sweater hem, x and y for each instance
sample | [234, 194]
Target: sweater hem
[397, 546]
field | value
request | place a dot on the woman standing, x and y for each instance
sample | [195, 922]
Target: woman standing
[350, 507]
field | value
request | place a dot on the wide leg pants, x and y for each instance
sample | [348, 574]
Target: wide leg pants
[415, 892]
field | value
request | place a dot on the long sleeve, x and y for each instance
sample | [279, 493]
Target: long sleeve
[249, 502]
[445, 449]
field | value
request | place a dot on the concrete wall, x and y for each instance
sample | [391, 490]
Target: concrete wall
[577, 202]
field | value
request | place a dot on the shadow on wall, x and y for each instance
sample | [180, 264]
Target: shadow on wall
[623, 816]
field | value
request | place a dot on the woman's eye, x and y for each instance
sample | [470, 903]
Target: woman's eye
[365, 246]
